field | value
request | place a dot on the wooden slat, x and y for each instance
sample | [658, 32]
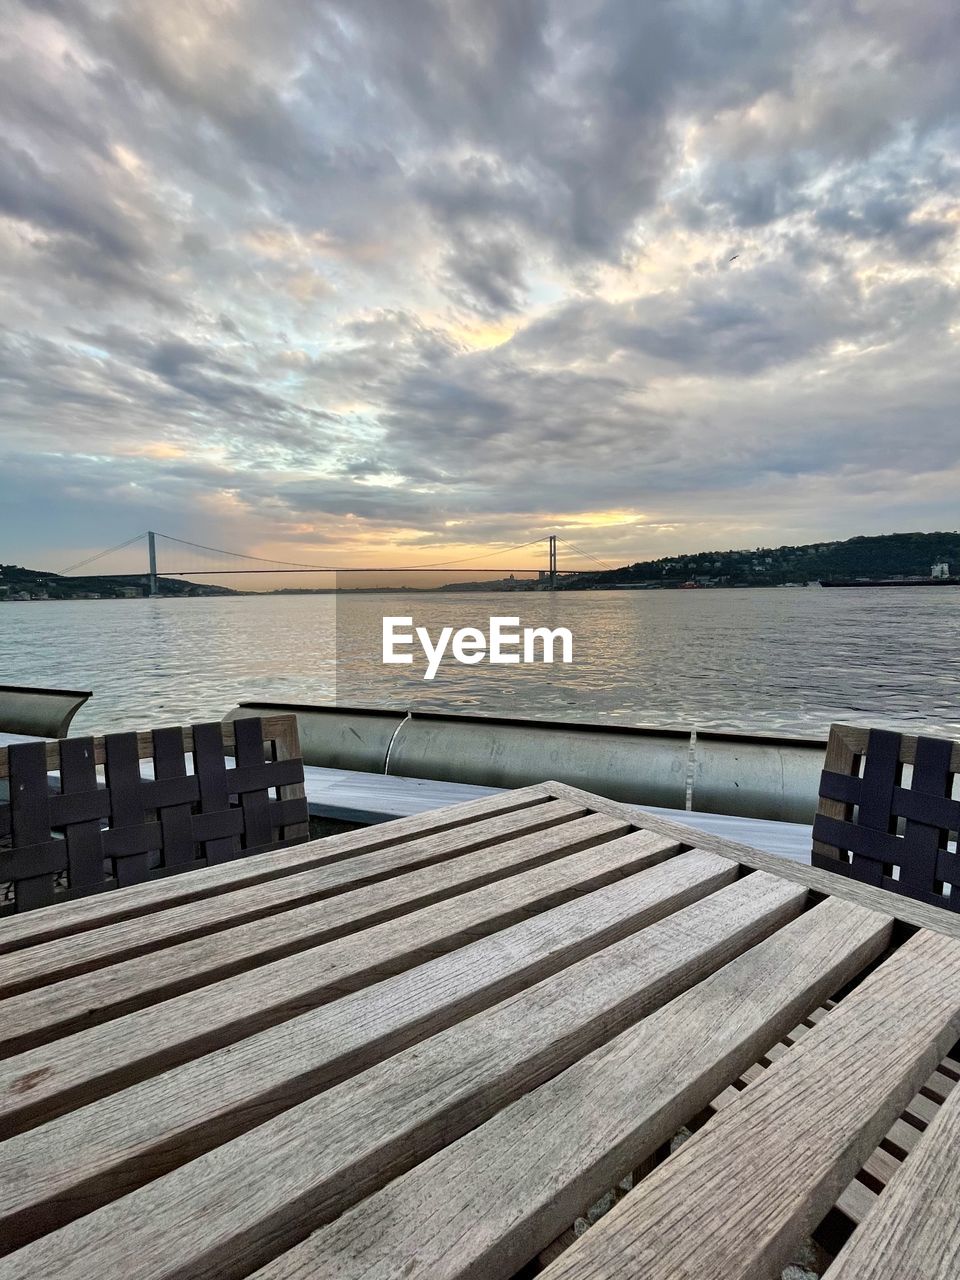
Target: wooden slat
[70, 918]
[494, 1199]
[217, 1215]
[45, 1081]
[120, 988]
[740, 1194]
[859, 1197]
[93, 1155]
[840, 756]
[48, 962]
[914, 1230]
[857, 739]
[826, 882]
[856, 1201]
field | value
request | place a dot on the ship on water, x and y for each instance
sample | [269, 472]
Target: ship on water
[940, 576]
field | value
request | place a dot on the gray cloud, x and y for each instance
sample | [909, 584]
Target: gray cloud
[449, 270]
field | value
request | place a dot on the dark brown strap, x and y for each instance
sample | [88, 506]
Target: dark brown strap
[927, 811]
[255, 802]
[881, 773]
[174, 797]
[211, 771]
[80, 810]
[38, 857]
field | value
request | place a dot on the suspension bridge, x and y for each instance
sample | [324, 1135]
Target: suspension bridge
[217, 561]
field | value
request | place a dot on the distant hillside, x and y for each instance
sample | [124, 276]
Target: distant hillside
[888, 556]
[15, 581]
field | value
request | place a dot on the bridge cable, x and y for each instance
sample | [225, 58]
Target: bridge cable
[100, 554]
[344, 568]
[586, 554]
[241, 555]
[442, 564]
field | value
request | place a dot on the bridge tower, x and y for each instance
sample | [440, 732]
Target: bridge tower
[553, 562]
[152, 553]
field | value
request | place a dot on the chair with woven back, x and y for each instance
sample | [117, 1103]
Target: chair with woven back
[83, 816]
[888, 815]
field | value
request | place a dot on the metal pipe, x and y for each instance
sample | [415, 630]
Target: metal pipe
[750, 775]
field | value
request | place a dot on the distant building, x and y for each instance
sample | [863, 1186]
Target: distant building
[941, 570]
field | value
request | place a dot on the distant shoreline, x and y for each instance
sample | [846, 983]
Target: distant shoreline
[888, 584]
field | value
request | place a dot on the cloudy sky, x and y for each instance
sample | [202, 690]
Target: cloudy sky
[402, 279]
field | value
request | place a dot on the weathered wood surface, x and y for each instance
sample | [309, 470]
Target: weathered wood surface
[46, 1080]
[487, 1203]
[431, 1069]
[735, 1198]
[111, 990]
[919, 1223]
[825, 882]
[313, 1160]
[93, 1155]
[141, 900]
[858, 1198]
[47, 962]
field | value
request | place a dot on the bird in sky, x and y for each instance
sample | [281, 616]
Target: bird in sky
[736, 255]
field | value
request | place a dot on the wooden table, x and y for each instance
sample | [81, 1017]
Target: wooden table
[421, 1050]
